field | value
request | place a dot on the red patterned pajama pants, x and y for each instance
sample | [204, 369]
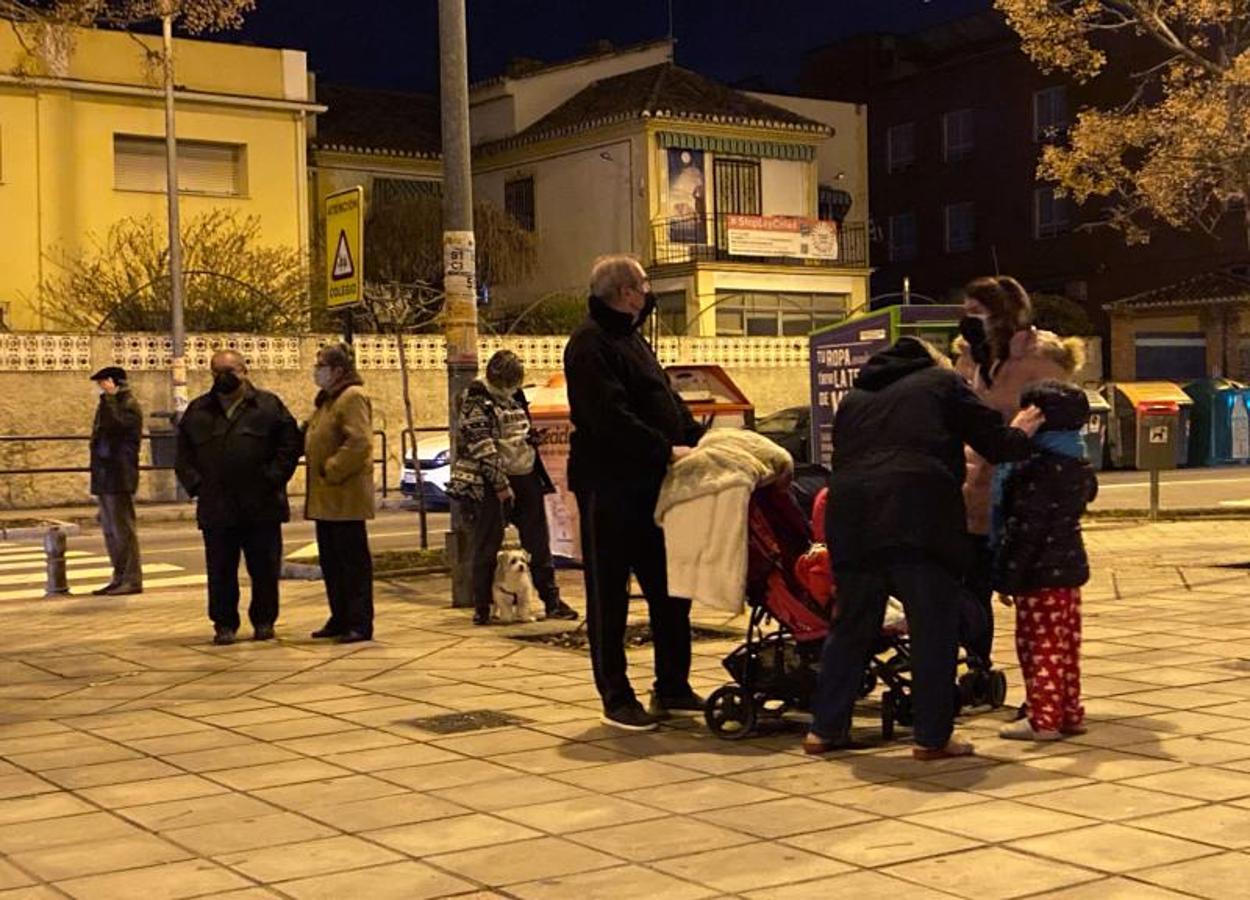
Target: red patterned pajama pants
[1048, 642]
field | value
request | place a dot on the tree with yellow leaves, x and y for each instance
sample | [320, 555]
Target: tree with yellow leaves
[1178, 150]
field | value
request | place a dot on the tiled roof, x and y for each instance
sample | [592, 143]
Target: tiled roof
[1212, 287]
[387, 123]
[665, 91]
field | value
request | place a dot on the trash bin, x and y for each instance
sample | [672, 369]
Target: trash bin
[1216, 402]
[1126, 397]
[164, 439]
[1239, 425]
[1159, 435]
[1095, 430]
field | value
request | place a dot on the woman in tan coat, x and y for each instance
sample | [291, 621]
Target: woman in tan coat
[338, 446]
[1000, 353]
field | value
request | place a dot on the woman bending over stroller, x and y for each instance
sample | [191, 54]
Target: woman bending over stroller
[896, 527]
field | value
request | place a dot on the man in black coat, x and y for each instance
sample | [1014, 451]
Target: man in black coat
[628, 426]
[115, 437]
[238, 446]
[896, 526]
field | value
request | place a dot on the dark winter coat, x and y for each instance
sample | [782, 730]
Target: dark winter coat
[478, 467]
[237, 468]
[898, 460]
[626, 416]
[115, 437]
[1043, 501]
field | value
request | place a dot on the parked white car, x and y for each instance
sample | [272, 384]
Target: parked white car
[434, 453]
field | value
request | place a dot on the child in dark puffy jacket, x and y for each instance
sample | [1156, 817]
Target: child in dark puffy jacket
[1040, 562]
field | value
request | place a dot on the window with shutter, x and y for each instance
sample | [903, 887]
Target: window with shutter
[203, 167]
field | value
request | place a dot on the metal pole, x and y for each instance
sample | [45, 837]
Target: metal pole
[177, 328]
[1154, 495]
[460, 308]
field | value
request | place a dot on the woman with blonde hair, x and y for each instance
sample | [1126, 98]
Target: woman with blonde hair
[1001, 353]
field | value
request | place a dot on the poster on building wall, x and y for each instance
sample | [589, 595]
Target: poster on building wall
[685, 205]
[793, 236]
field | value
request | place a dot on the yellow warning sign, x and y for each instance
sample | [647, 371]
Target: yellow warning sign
[345, 248]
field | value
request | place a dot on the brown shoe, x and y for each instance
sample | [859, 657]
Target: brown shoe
[954, 748]
[815, 745]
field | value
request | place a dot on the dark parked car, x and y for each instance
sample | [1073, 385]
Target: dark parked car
[791, 428]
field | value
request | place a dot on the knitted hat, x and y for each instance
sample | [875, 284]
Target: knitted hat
[1065, 405]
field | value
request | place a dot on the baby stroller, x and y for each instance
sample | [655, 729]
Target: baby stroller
[791, 596]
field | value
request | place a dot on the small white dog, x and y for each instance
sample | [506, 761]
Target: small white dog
[513, 590]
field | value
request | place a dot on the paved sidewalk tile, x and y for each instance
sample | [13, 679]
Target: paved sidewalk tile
[137, 760]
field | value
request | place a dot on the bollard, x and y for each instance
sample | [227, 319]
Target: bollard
[54, 550]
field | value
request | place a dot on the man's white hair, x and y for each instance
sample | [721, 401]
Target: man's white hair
[611, 273]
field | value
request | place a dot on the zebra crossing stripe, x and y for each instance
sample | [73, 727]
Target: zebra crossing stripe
[83, 591]
[7, 565]
[94, 572]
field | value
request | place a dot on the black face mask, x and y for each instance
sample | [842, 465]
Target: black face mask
[648, 307]
[972, 330]
[226, 383]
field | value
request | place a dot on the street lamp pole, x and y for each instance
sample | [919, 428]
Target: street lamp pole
[460, 307]
[177, 327]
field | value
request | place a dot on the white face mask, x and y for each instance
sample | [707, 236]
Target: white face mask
[323, 376]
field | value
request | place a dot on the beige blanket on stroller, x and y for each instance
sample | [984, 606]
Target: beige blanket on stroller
[703, 511]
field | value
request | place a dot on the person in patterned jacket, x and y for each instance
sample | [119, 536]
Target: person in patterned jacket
[499, 477]
[1040, 562]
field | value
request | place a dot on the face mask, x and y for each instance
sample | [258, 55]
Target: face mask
[648, 307]
[226, 383]
[972, 329]
[323, 376]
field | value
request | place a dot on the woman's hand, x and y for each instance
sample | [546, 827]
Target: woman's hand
[1029, 420]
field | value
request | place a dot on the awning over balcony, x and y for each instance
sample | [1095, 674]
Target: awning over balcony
[736, 146]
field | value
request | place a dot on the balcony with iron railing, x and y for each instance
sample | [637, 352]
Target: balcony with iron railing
[687, 239]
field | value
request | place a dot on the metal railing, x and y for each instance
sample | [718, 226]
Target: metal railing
[151, 438]
[700, 239]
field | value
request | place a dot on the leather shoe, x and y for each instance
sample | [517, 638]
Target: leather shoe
[223, 636]
[561, 610]
[100, 592]
[263, 633]
[353, 637]
[123, 590]
[326, 632]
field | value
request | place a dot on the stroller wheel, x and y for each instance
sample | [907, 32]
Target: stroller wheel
[998, 688]
[868, 684]
[730, 712]
[968, 689]
[887, 716]
[903, 711]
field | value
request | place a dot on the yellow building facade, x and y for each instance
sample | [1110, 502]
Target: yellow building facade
[83, 148]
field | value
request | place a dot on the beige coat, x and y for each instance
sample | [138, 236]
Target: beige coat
[338, 445]
[1035, 356]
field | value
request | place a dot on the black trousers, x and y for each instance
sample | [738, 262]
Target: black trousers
[117, 521]
[261, 547]
[620, 537]
[347, 569]
[930, 595]
[529, 514]
[976, 621]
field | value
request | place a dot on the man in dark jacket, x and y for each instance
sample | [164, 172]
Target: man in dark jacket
[628, 426]
[237, 448]
[115, 437]
[896, 526]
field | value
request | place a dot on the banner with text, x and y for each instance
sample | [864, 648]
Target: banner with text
[792, 236]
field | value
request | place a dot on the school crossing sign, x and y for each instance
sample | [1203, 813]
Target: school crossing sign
[345, 248]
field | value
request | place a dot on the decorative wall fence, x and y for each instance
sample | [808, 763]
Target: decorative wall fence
[152, 353]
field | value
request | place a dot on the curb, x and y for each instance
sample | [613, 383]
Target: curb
[1173, 515]
[36, 532]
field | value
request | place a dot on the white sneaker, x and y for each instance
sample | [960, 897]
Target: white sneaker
[1021, 730]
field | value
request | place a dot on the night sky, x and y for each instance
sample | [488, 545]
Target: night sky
[394, 43]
